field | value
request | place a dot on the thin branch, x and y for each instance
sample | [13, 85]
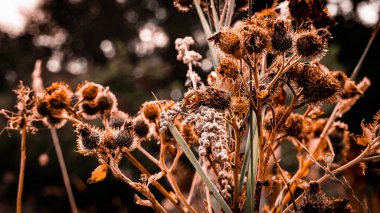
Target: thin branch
[156, 184]
[22, 169]
[62, 165]
[143, 189]
[149, 156]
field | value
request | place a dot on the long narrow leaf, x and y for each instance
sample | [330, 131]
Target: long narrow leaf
[206, 29]
[247, 154]
[215, 16]
[189, 154]
[251, 182]
[230, 12]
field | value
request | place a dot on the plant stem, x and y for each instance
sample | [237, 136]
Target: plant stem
[62, 165]
[172, 180]
[143, 189]
[149, 156]
[156, 184]
[22, 169]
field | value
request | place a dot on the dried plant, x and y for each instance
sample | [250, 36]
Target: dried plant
[236, 123]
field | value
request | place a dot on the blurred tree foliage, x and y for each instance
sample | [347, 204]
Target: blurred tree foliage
[131, 76]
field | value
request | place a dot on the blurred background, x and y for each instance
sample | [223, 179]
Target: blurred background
[128, 45]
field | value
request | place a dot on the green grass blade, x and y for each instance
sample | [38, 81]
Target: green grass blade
[230, 12]
[251, 181]
[206, 29]
[215, 16]
[247, 154]
[189, 154]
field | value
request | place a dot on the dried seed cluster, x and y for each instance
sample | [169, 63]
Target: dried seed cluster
[211, 126]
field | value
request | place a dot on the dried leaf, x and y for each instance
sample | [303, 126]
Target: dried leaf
[364, 139]
[99, 174]
[155, 177]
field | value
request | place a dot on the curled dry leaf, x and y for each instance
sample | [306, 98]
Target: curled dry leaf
[99, 174]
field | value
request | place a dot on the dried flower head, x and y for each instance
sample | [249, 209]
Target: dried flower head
[118, 119]
[312, 45]
[88, 91]
[318, 83]
[228, 42]
[265, 18]
[296, 126]
[55, 104]
[228, 68]
[125, 137]
[315, 200]
[25, 114]
[151, 111]
[257, 41]
[240, 105]
[209, 96]
[141, 128]
[88, 138]
[282, 38]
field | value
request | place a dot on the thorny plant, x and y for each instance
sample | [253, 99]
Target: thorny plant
[261, 61]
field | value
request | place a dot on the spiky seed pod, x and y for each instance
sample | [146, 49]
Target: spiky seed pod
[228, 68]
[89, 108]
[125, 138]
[88, 138]
[319, 84]
[183, 5]
[228, 42]
[55, 104]
[240, 105]
[53, 120]
[109, 136]
[258, 41]
[312, 45]
[315, 200]
[141, 127]
[296, 126]
[88, 91]
[265, 18]
[209, 96]
[282, 39]
[59, 96]
[151, 111]
[104, 103]
[118, 119]
[42, 108]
